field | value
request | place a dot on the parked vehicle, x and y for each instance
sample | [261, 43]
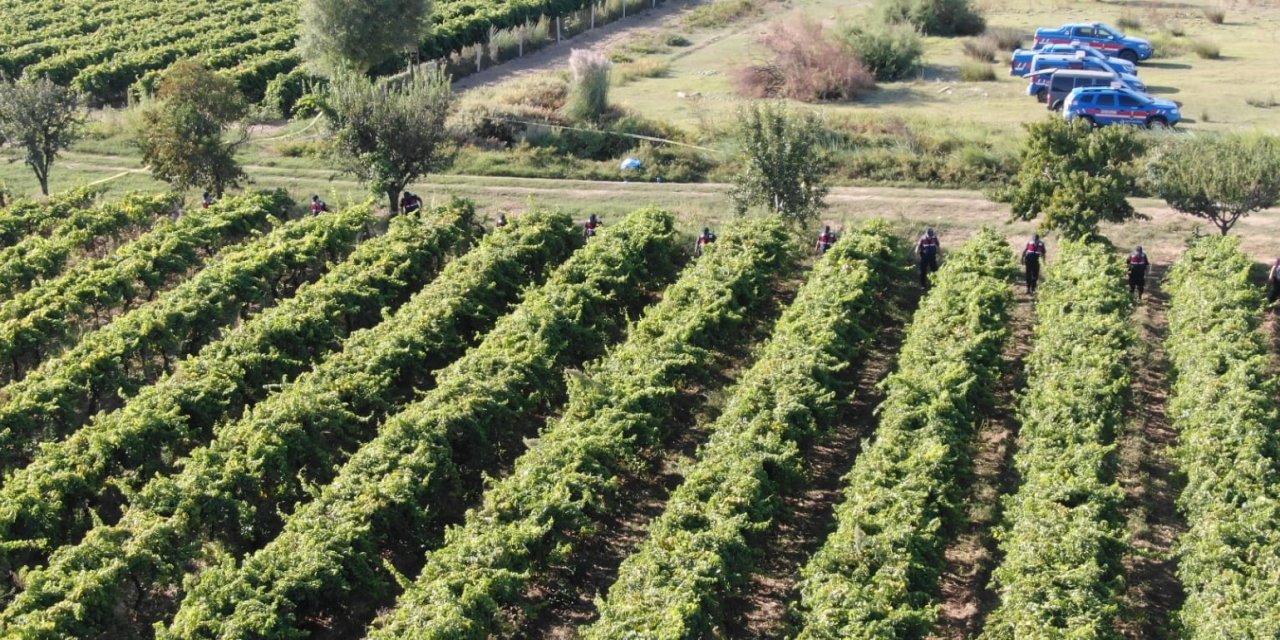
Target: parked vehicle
[1052, 85]
[1020, 62]
[1102, 37]
[1046, 61]
[1102, 106]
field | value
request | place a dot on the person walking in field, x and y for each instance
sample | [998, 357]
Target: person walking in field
[1032, 254]
[1273, 282]
[410, 203]
[207, 200]
[826, 240]
[704, 239]
[927, 248]
[1138, 264]
[592, 225]
[502, 221]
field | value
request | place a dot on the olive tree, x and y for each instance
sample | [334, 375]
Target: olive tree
[182, 132]
[41, 119]
[784, 168]
[1219, 179]
[341, 36]
[391, 132]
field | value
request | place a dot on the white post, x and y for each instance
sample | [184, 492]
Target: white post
[624, 8]
[522, 32]
[593, 14]
[557, 28]
[479, 57]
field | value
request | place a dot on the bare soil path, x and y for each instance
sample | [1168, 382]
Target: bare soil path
[760, 608]
[1149, 477]
[567, 598]
[966, 599]
[601, 39]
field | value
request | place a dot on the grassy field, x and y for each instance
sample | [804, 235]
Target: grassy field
[1220, 89]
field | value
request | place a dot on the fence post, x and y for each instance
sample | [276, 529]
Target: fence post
[522, 31]
[593, 14]
[479, 57]
[557, 28]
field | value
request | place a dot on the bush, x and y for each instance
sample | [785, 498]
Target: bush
[933, 17]
[808, 64]
[1215, 15]
[722, 12]
[1175, 29]
[648, 68]
[285, 90]
[589, 96]
[889, 52]
[1005, 38]
[673, 163]
[977, 72]
[980, 49]
[1206, 49]
[677, 40]
[1129, 21]
[1166, 45]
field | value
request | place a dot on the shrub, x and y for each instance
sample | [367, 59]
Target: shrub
[648, 68]
[589, 96]
[1206, 49]
[1215, 15]
[980, 49]
[1175, 29]
[1005, 38]
[677, 40]
[889, 52]
[673, 163]
[722, 12]
[1167, 45]
[977, 72]
[808, 64]
[933, 17]
[1129, 21]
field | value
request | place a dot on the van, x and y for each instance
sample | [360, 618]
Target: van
[1046, 61]
[1052, 86]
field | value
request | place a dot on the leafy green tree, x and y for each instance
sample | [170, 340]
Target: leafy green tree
[1219, 179]
[182, 133]
[41, 119]
[784, 168]
[341, 36]
[389, 133]
[1063, 162]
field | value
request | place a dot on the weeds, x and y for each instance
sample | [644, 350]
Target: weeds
[808, 63]
[1005, 38]
[977, 72]
[980, 49]
[1215, 15]
[647, 68]
[1263, 103]
[722, 12]
[1205, 49]
[1129, 21]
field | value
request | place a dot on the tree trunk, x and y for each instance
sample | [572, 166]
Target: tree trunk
[43, 177]
[393, 201]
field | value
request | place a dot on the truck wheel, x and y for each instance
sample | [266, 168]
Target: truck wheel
[1057, 106]
[1157, 122]
[1093, 124]
[1129, 55]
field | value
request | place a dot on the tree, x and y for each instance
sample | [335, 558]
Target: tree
[341, 36]
[181, 134]
[40, 118]
[784, 167]
[389, 133]
[1220, 179]
[1074, 176]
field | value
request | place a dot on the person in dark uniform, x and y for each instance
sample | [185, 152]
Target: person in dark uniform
[410, 203]
[1138, 264]
[928, 247]
[825, 240]
[318, 206]
[704, 239]
[1032, 254]
[592, 225]
[207, 200]
[502, 221]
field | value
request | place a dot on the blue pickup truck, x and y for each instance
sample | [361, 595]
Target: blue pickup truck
[1102, 37]
[1020, 62]
[1102, 106]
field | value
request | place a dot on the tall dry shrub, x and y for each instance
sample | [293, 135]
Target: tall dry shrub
[807, 63]
[589, 95]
